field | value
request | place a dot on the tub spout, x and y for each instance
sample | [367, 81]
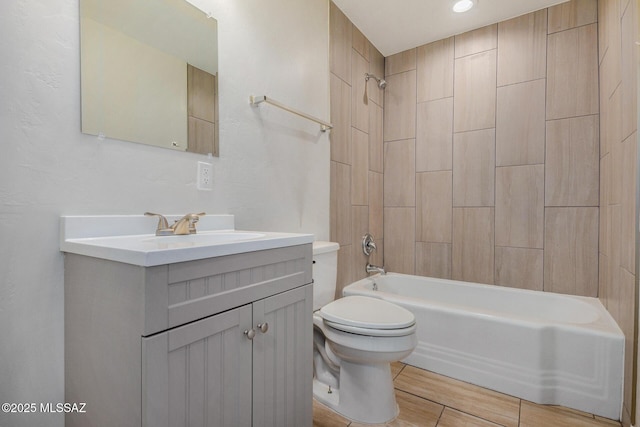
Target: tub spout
[375, 269]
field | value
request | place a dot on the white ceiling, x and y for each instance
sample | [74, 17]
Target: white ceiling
[395, 26]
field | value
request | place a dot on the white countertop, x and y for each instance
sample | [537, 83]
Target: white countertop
[112, 237]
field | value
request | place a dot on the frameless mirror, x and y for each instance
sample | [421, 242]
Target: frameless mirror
[149, 73]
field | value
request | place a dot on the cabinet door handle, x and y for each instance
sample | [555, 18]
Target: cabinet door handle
[264, 327]
[250, 333]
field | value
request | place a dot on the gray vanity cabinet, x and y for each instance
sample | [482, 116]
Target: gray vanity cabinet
[181, 344]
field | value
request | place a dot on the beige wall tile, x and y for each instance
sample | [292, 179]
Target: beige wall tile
[340, 203]
[473, 245]
[360, 168]
[400, 106]
[345, 268]
[340, 42]
[610, 119]
[623, 6]
[474, 103]
[474, 168]
[520, 206]
[376, 67]
[572, 14]
[434, 135]
[522, 55]
[376, 207]
[359, 227]
[359, 102]
[605, 176]
[520, 124]
[483, 403]
[433, 206]
[360, 43]
[485, 38]
[611, 63]
[376, 145]
[519, 267]
[629, 65]
[399, 231]
[399, 173]
[340, 135]
[572, 73]
[615, 171]
[603, 279]
[377, 257]
[614, 225]
[628, 209]
[572, 162]
[571, 251]
[376, 61]
[626, 309]
[609, 31]
[433, 260]
[400, 62]
[435, 70]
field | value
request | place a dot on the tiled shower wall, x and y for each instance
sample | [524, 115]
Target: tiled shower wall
[491, 154]
[356, 147]
[509, 155]
[618, 147]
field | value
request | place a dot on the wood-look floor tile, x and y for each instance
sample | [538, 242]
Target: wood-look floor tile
[452, 418]
[534, 415]
[325, 417]
[486, 404]
[396, 368]
[414, 412]
[607, 421]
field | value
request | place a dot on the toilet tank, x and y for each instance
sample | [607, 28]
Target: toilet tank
[325, 271]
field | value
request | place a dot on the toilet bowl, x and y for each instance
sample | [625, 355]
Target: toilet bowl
[355, 340]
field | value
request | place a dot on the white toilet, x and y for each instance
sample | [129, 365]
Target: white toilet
[355, 340]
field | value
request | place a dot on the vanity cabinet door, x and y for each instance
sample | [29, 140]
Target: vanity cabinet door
[282, 359]
[199, 374]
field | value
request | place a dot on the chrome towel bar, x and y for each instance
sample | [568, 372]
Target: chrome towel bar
[255, 100]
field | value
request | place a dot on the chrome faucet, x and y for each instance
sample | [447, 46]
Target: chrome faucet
[375, 269]
[185, 225]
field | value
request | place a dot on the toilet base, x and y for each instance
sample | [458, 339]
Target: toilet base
[366, 393]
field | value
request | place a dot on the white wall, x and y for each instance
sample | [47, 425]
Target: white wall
[273, 170]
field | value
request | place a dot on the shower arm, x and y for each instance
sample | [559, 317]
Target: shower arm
[381, 82]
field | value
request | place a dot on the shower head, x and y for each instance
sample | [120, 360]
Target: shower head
[382, 83]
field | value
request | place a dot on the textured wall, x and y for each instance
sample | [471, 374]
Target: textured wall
[491, 154]
[273, 170]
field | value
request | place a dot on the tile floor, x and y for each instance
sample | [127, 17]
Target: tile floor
[429, 400]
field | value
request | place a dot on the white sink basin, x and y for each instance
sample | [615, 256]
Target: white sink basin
[110, 237]
[201, 238]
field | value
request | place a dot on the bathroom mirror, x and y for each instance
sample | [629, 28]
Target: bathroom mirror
[149, 73]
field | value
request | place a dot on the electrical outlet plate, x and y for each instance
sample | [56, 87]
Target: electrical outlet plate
[205, 176]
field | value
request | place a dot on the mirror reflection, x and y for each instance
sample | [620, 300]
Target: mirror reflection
[149, 73]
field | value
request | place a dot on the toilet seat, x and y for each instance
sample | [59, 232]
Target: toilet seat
[368, 316]
[372, 332]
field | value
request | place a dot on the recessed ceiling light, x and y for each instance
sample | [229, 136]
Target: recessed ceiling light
[463, 5]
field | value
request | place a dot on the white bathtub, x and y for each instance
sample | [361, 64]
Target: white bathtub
[539, 346]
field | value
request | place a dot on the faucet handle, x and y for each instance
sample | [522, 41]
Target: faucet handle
[162, 221]
[368, 245]
[187, 224]
[193, 219]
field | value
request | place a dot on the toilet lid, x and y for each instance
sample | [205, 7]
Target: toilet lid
[366, 313]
